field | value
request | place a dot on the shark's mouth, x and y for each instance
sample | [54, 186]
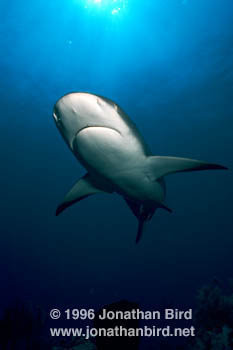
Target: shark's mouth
[92, 127]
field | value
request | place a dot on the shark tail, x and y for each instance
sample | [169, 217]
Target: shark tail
[145, 215]
[140, 230]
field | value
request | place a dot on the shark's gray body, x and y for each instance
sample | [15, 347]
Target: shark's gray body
[116, 157]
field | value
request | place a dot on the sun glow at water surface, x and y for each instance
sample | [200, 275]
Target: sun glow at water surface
[113, 7]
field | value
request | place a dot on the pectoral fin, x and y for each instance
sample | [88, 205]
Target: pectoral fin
[161, 166]
[82, 189]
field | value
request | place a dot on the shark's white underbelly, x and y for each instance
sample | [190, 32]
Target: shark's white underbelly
[109, 152]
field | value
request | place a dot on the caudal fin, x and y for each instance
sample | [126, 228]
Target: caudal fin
[140, 230]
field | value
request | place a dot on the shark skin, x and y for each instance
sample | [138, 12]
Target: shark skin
[117, 159]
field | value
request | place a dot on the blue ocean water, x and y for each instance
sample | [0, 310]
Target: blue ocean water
[169, 65]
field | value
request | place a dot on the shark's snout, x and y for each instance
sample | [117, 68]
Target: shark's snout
[66, 122]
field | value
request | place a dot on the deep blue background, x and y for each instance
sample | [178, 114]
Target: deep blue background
[169, 64]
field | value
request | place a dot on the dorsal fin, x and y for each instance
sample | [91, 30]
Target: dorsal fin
[161, 166]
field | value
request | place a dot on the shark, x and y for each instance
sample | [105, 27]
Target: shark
[117, 159]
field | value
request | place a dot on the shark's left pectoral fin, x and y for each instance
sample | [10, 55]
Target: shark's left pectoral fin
[161, 166]
[83, 188]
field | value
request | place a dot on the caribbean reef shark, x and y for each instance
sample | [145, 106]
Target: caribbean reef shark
[108, 144]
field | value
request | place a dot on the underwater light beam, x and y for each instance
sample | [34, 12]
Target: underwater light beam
[110, 6]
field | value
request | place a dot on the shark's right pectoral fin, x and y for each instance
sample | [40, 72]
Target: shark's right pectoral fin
[162, 166]
[83, 188]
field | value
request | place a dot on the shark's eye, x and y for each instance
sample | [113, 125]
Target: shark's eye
[55, 116]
